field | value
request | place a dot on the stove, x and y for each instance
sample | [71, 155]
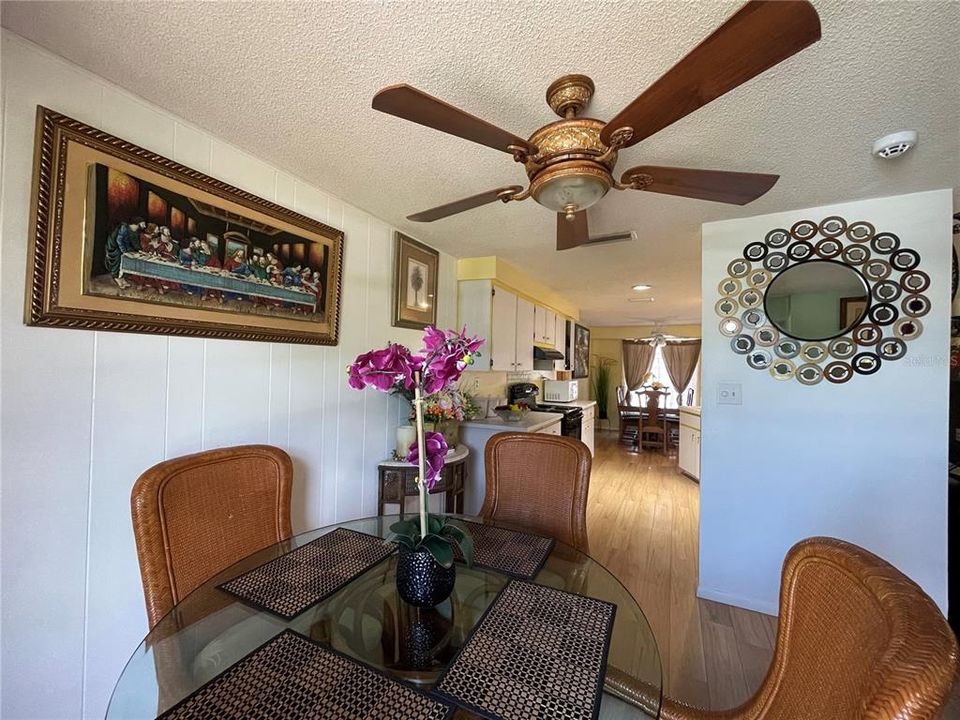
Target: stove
[526, 393]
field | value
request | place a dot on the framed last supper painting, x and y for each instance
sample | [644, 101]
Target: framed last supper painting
[124, 239]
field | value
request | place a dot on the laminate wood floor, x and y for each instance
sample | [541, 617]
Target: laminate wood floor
[643, 523]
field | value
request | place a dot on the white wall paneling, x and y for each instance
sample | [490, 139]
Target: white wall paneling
[864, 461]
[85, 413]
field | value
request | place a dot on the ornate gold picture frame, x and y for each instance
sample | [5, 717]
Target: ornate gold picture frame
[415, 271]
[127, 240]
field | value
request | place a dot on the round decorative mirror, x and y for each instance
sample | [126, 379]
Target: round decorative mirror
[817, 300]
[823, 301]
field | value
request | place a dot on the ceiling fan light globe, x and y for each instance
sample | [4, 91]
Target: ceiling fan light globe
[569, 194]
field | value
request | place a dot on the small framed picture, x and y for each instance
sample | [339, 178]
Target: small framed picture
[415, 284]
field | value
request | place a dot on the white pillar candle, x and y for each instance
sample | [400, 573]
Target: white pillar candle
[406, 436]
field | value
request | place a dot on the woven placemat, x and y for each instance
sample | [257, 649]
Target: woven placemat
[511, 552]
[292, 677]
[288, 585]
[537, 653]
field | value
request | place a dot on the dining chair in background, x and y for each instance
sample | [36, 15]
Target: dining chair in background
[653, 426]
[539, 482]
[629, 417]
[196, 515]
[858, 640]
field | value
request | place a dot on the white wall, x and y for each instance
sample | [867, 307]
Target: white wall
[864, 461]
[84, 413]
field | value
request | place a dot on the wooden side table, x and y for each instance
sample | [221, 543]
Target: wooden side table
[398, 480]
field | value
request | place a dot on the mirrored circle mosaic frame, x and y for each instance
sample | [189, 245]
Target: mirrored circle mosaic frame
[895, 301]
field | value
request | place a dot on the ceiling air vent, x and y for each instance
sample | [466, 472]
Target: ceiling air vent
[625, 236]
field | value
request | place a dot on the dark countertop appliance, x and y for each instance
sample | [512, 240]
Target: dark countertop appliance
[572, 415]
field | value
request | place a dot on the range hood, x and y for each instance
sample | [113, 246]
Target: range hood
[540, 353]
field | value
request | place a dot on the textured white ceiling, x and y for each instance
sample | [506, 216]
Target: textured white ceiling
[292, 83]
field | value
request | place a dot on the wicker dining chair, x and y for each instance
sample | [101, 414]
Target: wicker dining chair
[539, 482]
[196, 515]
[858, 640]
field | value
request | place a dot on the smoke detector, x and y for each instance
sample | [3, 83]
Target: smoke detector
[895, 145]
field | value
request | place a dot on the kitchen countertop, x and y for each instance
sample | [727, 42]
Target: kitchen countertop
[692, 409]
[531, 422]
[576, 403]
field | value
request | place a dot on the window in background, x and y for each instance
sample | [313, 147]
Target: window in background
[658, 372]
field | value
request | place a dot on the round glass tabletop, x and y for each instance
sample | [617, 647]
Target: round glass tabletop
[210, 630]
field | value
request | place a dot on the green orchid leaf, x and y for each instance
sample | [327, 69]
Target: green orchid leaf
[466, 548]
[440, 549]
[461, 536]
[452, 532]
[408, 528]
[434, 524]
[407, 542]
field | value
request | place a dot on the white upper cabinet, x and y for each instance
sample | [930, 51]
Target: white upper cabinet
[504, 320]
[539, 324]
[525, 333]
[545, 326]
[503, 333]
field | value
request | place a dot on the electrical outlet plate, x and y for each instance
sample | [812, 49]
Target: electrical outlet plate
[729, 394]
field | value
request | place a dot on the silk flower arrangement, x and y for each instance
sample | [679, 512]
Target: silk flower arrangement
[437, 367]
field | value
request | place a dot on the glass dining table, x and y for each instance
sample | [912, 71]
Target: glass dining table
[209, 630]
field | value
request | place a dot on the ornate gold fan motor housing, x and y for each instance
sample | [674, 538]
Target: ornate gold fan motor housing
[573, 168]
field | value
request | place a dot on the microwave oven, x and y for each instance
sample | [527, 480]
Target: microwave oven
[560, 390]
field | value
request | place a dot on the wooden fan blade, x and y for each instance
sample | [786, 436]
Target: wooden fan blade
[571, 233]
[735, 188]
[417, 106]
[757, 37]
[458, 206]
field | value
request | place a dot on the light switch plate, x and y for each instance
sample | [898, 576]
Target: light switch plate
[729, 394]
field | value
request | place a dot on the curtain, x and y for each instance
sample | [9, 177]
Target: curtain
[680, 359]
[637, 361]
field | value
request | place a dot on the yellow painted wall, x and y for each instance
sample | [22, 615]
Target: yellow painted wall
[514, 279]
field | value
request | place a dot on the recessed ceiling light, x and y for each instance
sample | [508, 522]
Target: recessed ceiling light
[640, 287]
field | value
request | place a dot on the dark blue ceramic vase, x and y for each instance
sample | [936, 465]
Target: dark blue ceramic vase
[421, 580]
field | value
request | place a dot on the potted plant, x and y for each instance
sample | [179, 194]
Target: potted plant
[425, 569]
[602, 376]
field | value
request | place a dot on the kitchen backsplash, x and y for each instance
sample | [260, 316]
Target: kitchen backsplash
[493, 384]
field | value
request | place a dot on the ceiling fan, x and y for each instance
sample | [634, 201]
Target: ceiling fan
[570, 162]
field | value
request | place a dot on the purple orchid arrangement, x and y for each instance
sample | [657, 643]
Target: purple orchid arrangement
[437, 367]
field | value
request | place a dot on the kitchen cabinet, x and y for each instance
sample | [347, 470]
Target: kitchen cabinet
[539, 324]
[475, 434]
[523, 334]
[688, 455]
[503, 319]
[502, 331]
[588, 427]
[545, 326]
[551, 429]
